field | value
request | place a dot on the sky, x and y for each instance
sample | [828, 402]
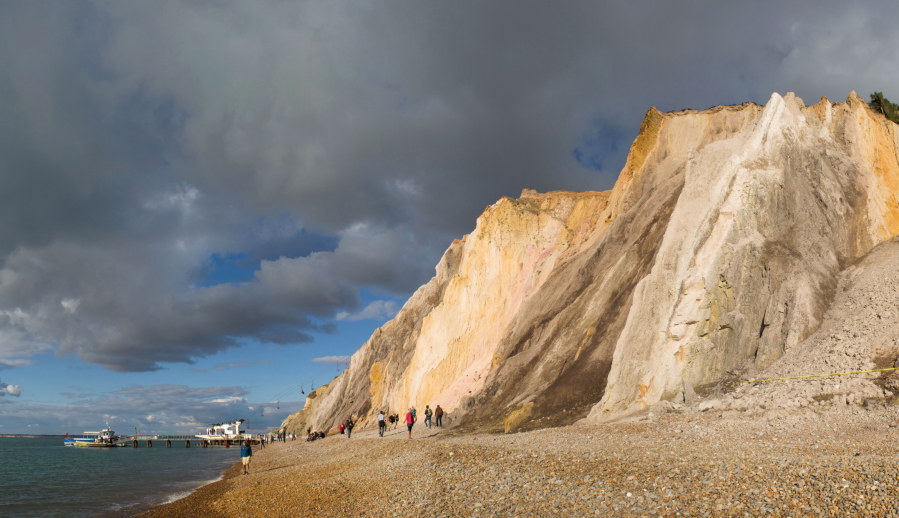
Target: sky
[206, 206]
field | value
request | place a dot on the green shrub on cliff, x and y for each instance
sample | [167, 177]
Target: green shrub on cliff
[888, 109]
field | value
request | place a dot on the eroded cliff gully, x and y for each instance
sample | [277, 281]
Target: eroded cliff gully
[718, 250]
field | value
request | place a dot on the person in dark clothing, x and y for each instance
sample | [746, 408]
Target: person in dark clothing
[438, 416]
[382, 424]
[349, 427]
[246, 453]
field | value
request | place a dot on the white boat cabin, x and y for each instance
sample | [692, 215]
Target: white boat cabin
[223, 430]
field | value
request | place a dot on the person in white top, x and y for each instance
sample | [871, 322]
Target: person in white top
[381, 424]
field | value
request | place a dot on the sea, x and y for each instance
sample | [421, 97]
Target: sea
[42, 478]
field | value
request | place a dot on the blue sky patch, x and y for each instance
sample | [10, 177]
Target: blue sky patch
[227, 268]
[597, 144]
[239, 267]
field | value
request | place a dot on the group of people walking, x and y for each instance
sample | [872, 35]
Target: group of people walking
[385, 422]
[346, 428]
[390, 422]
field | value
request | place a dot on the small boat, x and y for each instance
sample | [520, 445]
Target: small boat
[102, 439]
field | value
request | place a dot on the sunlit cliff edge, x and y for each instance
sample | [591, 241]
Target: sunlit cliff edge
[716, 251]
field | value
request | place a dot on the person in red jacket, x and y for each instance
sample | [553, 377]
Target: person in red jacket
[409, 422]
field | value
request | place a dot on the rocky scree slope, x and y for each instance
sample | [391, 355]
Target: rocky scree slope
[718, 250]
[860, 332]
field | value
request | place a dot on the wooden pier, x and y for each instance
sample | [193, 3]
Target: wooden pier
[147, 442]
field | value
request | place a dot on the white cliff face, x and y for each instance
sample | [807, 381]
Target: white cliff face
[764, 224]
[717, 250]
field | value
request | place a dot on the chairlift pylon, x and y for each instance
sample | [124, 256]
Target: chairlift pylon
[278, 404]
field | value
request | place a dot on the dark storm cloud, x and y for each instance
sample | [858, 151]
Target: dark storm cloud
[328, 146]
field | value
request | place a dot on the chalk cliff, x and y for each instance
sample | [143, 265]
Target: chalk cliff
[717, 251]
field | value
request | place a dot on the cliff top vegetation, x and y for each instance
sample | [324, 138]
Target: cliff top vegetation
[884, 106]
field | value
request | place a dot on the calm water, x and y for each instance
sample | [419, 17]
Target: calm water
[41, 477]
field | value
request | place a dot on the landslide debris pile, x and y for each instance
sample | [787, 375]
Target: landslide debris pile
[718, 252]
[860, 332]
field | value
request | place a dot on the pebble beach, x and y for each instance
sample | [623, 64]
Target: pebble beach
[835, 461]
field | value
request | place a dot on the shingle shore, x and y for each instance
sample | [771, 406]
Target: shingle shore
[813, 462]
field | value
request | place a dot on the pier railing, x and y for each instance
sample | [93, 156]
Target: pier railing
[147, 440]
[123, 438]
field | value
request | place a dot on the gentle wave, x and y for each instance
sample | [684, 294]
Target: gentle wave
[181, 494]
[142, 478]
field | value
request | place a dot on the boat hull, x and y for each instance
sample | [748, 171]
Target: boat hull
[88, 443]
[94, 444]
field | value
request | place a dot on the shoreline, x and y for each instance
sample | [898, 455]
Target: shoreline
[833, 462]
[198, 499]
[187, 492]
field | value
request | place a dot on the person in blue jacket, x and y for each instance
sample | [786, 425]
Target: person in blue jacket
[246, 453]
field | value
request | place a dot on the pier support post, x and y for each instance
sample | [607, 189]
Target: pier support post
[134, 443]
[227, 443]
[168, 443]
[149, 443]
[187, 444]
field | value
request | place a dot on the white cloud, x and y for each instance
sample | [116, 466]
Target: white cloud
[10, 390]
[8, 364]
[406, 187]
[24, 334]
[378, 309]
[188, 422]
[181, 199]
[70, 305]
[228, 400]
